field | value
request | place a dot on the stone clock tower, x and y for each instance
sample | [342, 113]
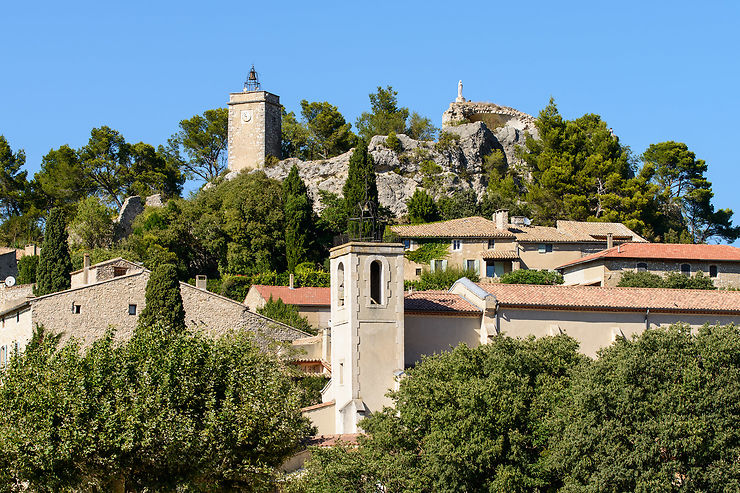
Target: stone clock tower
[254, 125]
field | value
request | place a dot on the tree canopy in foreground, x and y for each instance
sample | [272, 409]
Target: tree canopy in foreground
[175, 412]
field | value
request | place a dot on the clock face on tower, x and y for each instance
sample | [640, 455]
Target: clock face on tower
[246, 116]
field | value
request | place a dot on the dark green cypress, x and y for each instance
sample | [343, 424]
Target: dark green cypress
[360, 181]
[163, 301]
[55, 264]
[299, 226]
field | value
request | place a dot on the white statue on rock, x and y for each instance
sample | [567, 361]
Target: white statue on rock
[460, 98]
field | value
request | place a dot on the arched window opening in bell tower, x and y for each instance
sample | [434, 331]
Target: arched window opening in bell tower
[340, 284]
[375, 291]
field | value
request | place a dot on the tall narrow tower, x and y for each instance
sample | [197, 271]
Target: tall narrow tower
[366, 328]
[254, 125]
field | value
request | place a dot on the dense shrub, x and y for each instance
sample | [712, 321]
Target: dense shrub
[287, 314]
[27, 269]
[530, 276]
[441, 279]
[674, 280]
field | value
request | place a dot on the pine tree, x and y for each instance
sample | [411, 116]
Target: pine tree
[422, 208]
[55, 264]
[360, 185]
[163, 300]
[299, 228]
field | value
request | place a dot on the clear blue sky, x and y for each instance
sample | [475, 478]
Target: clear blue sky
[654, 71]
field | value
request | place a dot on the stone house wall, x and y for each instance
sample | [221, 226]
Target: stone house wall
[106, 304]
[15, 293]
[472, 249]
[728, 273]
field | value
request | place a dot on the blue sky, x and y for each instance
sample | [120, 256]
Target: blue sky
[654, 71]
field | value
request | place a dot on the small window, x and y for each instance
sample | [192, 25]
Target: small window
[132, 309]
[438, 265]
[418, 272]
[407, 244]
[340, 284]
[119, 271]
[470, 265]
[686, 269]
[18, 317]
[456, 245]
[76, 309]
[545, 247]
[375, 291]
[641, 267]
[712, 271]
[491, 244]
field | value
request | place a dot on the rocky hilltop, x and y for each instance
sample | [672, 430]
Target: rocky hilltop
[470, 132]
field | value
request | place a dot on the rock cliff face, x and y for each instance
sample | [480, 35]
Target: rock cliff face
[454, 163]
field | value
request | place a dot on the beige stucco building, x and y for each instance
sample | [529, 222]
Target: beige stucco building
[494, 247]
[721, 263]
[376, 332]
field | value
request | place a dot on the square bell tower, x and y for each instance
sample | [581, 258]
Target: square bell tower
[367, 328]
[254, 125]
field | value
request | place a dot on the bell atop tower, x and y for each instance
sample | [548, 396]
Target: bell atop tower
[253, 81]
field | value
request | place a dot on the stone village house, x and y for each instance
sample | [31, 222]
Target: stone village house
[112, 294]
[495, 247]
[721, 263]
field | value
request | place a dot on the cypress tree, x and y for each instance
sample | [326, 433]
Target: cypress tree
[163, 300]
[299, 227]
[55, 264]
[360, 178]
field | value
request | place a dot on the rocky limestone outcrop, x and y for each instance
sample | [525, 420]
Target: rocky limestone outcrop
[454, 163]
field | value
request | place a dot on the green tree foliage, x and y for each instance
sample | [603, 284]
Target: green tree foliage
[684, 193]
[203, 139]
[236, 227]
[287, 314]
[428, 251]
[656, 413]
[360, 186]
[62, 179]
[385, 115]
[328, 133]
[299, 220]
[117, 169]
[674, 280]
[580, 171]
[13, 181]
[27, 267]
[164, 309]
[530, 276]
[461, 203]
[467, 420]
[92, 225]
[421, 128]
[54, 261]
[294, 141]
[177, 413]
[441, 278]
[422, 208]
[393, 143]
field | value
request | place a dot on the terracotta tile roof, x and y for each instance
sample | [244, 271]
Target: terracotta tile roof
[500, 254]
[466, 227]
[619, 299]
[438, 302]
[598, 230]
[542, 234]
[296, 296]
[664, 251]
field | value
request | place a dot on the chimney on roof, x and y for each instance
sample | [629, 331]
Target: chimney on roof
[201, 282]
[85, 268]
[291, 281]
[619, 248]
[609, 240]
[501, 218]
